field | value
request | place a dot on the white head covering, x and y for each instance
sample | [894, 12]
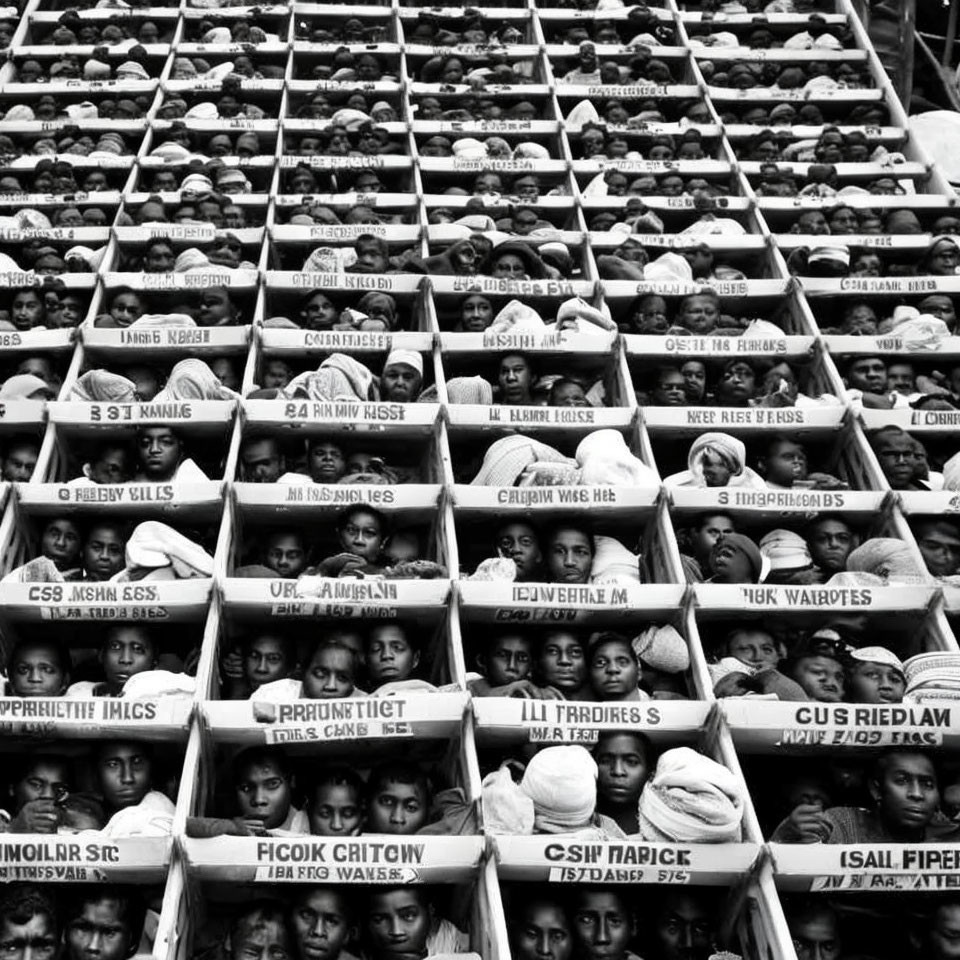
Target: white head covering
[409, 357]
[562, 783]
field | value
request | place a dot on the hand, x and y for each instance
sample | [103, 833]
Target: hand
[36, 816]
[250, 826]
[232, 665]
[808, 823]
[824, 481]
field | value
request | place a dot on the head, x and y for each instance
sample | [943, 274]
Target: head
[519, 541]
[603, 923]
[614, 669]
[261, 460]
[567, 393]
[285, 552]
[159, 452]
[123, 771]
[390, 654]
[670, 389]
[125, 307]
[540, 929]
[734, 559]
[624, 763]
[373, 255]
[506, 659]
[568, 554]
[103, 550]
[362, 532]
[397, 800]
[896, 453]
[707, 531]
[335, 803]
[815, 930]
[26, 310]
[682, 926]
[331, 672]
[820, 675]
[397, 922]
[326, 461]
[903, 785]
[516, 379]
[562, 661]
[60, 541]
[754, 647]
[263, 785]
[400, 382]
[699, 313]
[29, 922]
[737, 384]
[939, 542]
[267, 657]
[783, 463]
[20, 459]
[103, 924]
[874, 681]
[322, 922]
[476, 313]
[261, 931]
[38, 668]
[830, 541]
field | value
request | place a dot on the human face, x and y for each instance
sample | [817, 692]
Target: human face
[71, 311]
[865, 265]
[699, 314]
[944, 259]
[730, 564]
[320, 924]
[941, 551]
[671, 391]
[754, 648]
[103, 553]
[362, 535]
[27, 310]
[614, 673]
[398, 809]
[716, 470]
[509, 266]
[569, 395]
[709, 532]
[785, 464]
[125, 308]
[124, 772]
[99, 933]
[516, 380]
[569, 557]
[543, 933]
[518, 541]
[821, 678]
[263, 793]
[875, 683]
[944, 933]
[508, 661]
[843, 221]
[906, 794]
[330, 675]
[813, 222]
[266, 660]
[37, 672]
[476, 314]
[336, 811]
[326, 462]
[390, 655]
[860, 320]
[622, 768]
[276, 374]
[61, 543]
[126, 651]
[601, 924]
[370, 258]
[562, 662]
[266, 940]
[216, 310]
[400, 383]
[695, 380]
[261, 462]
[319, 313]
[34, 940]
[682, 930]
[900, 378]
[111, 466]
[285, 555]
[898, 459]
[158, 450]
[817, 937]
[159, 258]
[398, 922]
[830, 545]
[19, 463]
[940, 307]
[737, 384]
[45, 780]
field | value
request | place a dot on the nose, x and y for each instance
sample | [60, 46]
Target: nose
[603, 931]
[330, 684]
[259, 798]
[398, 816]
[396, 930]
[336, 821]
[126, 773]
[125, 655]
[543, 944]
[96, 942]
[618, 769]
[320, 929]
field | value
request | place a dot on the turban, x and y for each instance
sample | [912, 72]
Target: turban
[92, 70]
[474, 390]
[153, 544]
[22, 387]
[785, 550]
[103, 386]
[183, 69]
[190, 259]
[580, 310]
[888, 558]
[584, 112]
[197, 182]
[193, 380]
[130, 70]
[720, 444]
[19, 111]
[517, 317]
[878, 655]
[339, 378]
[409, 357]
[691, 799]
[662, 648]
[227, 176]
[92, 258]
[562, 783]
[507, 459]
[612, 561]
[30, 219]
[203, 111]
[605, 460]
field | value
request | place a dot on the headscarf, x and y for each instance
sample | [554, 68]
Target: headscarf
[193, 380]
[507, 458]
[103, 386]
[562, 783]
[605, 460]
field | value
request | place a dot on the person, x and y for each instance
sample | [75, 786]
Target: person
[361, 532]
[102, 556]
[520, 542]
[735, 558]
[516, 380]
[285, 553]
[874, 675]
[261, 929]
[19, 460]
[540, 929]
[29, 921]
[603, 924]
[939, 543]
[568, 554]
[264, 658]
[905, 794]
[896, 452]
[160, 456]
[562, 665]
[754, 647]
[331, 672]
[614, 669]
[127, 649]
[397, 799]
[506, 665]
[38, 667]
[699, 539]
[391, 654]
[38, 783]
[400, 924]
[681, 926]
[624, 762]
[816, 666]
[941, 931]
[102, 923]
[783, 465]
[60, 542]
[402, 377]
[123, 772]
[830, 540]
[322, 923]
[263, 795]
[261, 460]
[335, 803]
[815, 929]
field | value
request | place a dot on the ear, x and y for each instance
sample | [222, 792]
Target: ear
[873, 786]
[480, 661]
[416, 659]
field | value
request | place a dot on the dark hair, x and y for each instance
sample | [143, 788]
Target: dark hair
[131, 909]
[397, 771]
[257, 914]
[608, 636]
[261, 755]
[336, 776]
[21, 902]
[60, 654]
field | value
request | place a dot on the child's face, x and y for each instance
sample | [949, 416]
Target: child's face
[61, 543]
[336, 811]
[821, 678]
[266, 660]
[126, 308]
[875, 683]
[786, 464]
[330, 675]
[398, 808]
[263, 793]
[112, 466]
[398, 922]
[508, 661]
[127, 651]
[36, 672]
[754, 648]
[27, 310]
[390, 656]
[285, 555]
[276, 373]
[613, 671]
